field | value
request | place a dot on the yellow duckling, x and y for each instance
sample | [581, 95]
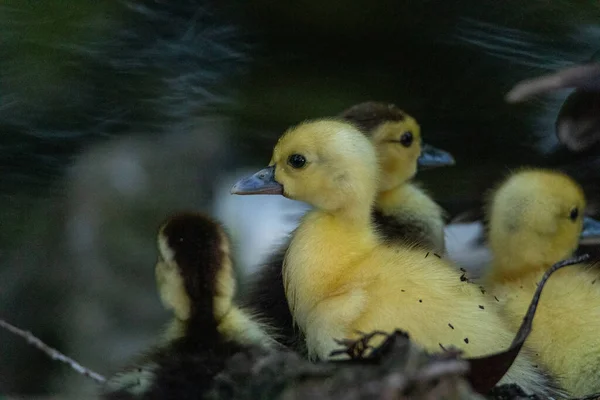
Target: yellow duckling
[341, 277]
[195, 279]
[403, 210]
[535, 220]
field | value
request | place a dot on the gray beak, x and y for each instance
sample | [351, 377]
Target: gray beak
[591, 228]
[432, 157]
[262, 182]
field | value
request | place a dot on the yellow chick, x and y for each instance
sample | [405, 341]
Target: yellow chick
[535, 220]
[195, 279]
[341, 277]
[403, 210]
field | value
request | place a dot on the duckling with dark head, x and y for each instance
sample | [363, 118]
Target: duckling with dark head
[403, 211]
[195, 280]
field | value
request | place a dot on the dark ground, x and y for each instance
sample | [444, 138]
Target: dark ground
[114, 114]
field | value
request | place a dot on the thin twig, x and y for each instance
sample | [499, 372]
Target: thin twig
[52, 353]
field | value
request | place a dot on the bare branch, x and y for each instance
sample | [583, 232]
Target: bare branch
[586, 76]
[52, 353]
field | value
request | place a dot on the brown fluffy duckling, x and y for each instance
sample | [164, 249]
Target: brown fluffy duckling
[195, 280]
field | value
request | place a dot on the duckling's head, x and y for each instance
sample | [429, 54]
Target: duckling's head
[194, 272]
[397, 140]
[535, 220]
[327, 163]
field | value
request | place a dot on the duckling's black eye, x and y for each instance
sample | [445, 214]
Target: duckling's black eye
[406, 139]
[296, 161]
[574, 214]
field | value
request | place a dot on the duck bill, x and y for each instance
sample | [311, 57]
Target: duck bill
[432, 157]
[591, 229]
[262, 182]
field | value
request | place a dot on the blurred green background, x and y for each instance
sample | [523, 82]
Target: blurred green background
[114, 114]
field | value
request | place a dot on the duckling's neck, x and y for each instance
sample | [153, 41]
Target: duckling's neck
[323, 249]
[410, 206]
[512, 264]
[388, 196]
[501, 272]
[198, 325]
[519, 253]
[240, 326]
[235, 325]
[356, 216]
[407, 198]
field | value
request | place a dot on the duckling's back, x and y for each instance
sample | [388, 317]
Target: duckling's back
[418, 292]
[441, 308]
